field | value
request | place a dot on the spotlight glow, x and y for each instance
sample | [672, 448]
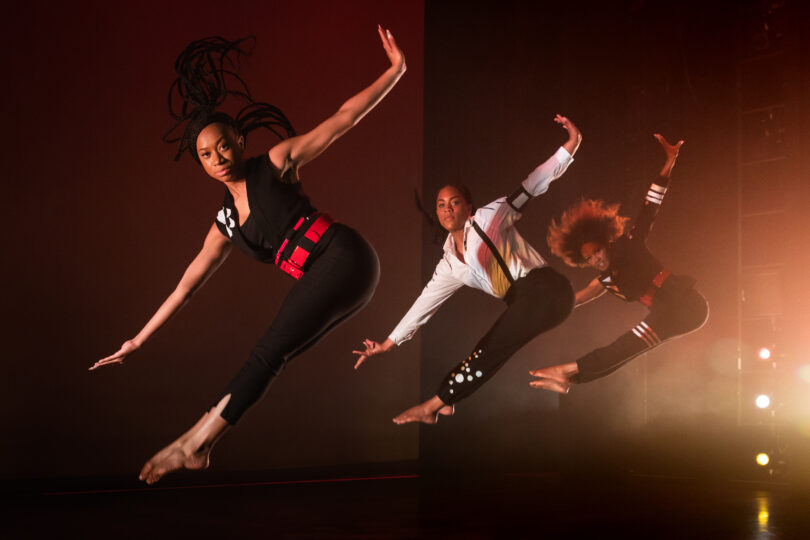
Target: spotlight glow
[763, 459]
[763, 401]
[764, 353]
[804, 373]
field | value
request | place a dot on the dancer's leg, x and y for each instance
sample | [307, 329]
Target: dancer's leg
[665, 322]
[191, 450]
[339, 283]
[536, 303]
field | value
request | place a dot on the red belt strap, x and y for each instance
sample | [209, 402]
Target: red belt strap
[657, 281]
[317, 227]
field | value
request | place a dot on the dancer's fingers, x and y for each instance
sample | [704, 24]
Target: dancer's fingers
[105, 362]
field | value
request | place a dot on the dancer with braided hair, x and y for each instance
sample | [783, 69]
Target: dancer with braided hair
[591, 234]
[267, 215]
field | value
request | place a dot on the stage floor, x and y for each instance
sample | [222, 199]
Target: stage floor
[406, 504]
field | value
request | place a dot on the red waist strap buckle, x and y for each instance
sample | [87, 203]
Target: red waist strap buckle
[313, 232]
[657, 281]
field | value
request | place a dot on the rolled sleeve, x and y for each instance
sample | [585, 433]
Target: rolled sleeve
[539, 179]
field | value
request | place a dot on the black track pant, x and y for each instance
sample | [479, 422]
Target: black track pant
[536, 303]
[339, 282]
[667, 320]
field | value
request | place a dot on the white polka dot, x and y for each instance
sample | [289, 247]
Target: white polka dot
[451, 390]
[459, 378]
[469, 377]
[478, 373]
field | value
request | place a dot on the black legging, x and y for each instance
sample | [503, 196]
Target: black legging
[668, 319]
[337, 284]
[536, 303]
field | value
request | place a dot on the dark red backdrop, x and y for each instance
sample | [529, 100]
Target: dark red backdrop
[102, 223]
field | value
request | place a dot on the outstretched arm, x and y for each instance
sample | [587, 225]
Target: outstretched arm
[296, 151]
[655, 195]
[214, 252]
[592, 291]
[538, 180]
[440, 287]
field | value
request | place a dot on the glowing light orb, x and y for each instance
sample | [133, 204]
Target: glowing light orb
[763, 459]
[763, 401]
[764, 353]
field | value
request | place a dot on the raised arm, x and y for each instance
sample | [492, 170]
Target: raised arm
[655, 195]
[574, 135]
[296, 151]
[214, 252]
[538, 180]
[592, 291]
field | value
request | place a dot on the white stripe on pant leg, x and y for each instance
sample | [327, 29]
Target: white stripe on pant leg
[651, 332]
[642, 336]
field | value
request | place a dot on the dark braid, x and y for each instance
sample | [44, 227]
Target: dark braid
[263, 115]
[206, 76]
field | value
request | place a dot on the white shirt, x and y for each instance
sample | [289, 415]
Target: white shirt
[480, 268]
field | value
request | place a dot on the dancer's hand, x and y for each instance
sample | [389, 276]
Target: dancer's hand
[574, 135]
[671, 150]
[372, 348]
[126, 349]
[394, 53]
[567, 124]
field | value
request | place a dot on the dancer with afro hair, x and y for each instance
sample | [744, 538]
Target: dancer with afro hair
[593, 234]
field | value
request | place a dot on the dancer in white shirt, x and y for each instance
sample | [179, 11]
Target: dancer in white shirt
[486, 252]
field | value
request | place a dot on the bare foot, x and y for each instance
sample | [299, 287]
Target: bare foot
[427, 412]
[416, 414]
[550, 384]
[192, 450]
[172, 458]
[556, 378]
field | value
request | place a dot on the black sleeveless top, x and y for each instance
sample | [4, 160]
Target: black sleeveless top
[632, 267]
[276, 205]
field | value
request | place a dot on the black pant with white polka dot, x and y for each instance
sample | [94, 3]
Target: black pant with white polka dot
[536, 303]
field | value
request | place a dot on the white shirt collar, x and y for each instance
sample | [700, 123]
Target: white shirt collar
[450, 243]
